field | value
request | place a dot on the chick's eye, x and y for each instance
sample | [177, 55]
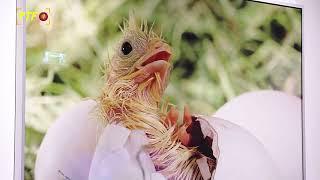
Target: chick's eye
[126, 48]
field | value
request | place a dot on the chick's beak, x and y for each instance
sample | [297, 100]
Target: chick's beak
[158, 51]
[156, 60]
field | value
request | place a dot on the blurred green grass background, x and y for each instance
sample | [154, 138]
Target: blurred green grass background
[222, 48]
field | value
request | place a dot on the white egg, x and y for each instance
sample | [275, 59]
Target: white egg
[68, 146]
[242, 156]
[275, 119]
[77, 147]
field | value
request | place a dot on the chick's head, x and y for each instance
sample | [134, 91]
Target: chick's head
[141, 57]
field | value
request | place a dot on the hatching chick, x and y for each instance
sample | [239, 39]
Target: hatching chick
[135, 81]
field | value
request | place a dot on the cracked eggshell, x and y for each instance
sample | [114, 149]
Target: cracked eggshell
[120, 155]
[242, 156]
[69, 144]
[76, 145]
[275, 119]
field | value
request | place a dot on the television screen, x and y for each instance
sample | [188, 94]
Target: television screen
[162, 90]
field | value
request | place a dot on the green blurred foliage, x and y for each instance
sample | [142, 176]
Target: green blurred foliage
[222, 48]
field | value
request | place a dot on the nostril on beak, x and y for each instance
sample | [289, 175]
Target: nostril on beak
[157, 46]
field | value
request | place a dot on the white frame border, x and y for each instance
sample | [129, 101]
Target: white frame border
[19, 130]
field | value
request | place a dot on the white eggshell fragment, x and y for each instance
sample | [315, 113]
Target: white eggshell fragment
[68, 146]
[275, 119]
[120, 155]
[242, 156]
[70, 149]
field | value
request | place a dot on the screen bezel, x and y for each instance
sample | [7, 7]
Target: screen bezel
[19, 138]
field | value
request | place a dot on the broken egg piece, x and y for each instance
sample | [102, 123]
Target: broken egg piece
[120, 155]
[241, 155]
[67, 148]
[275, 119]
[226, 151]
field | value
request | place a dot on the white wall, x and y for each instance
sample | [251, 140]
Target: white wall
[7, 87]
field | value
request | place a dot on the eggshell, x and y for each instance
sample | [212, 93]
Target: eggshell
[70, 149]
[275, 119]
[120, 155]
[77, 144]
[242, 156]
[68, 146]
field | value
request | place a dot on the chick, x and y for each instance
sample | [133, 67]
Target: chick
[135, 81]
